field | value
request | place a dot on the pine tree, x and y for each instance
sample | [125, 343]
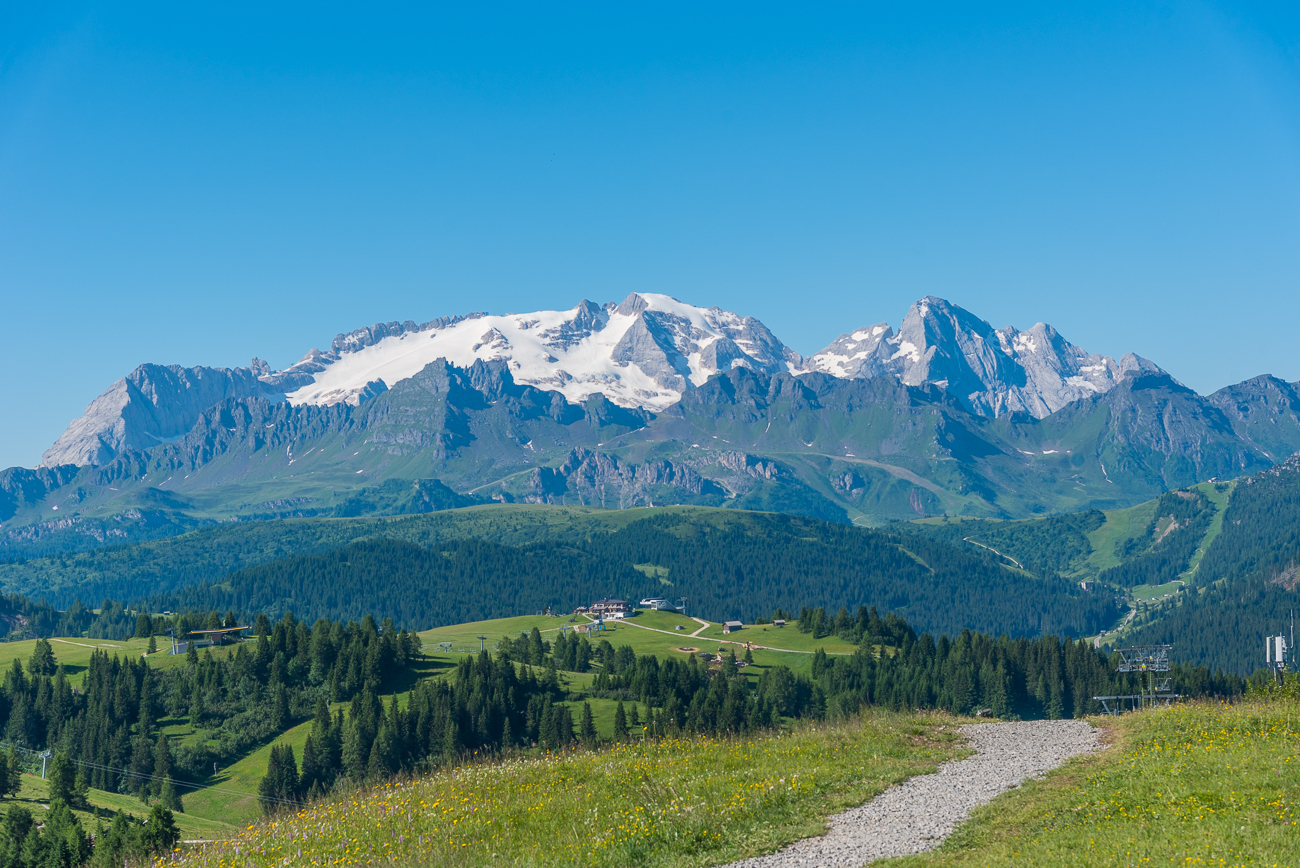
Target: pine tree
[451, 746]
[153, 645]
[162, 766]
[620, 723]
[62, 777]
[588, 726]
[280, 709]
[42, 662]
[309, 778]
[11, 775]
[354, 756]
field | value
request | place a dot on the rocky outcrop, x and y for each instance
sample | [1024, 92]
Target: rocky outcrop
[598, 479]
[153, 404]
[993, 372]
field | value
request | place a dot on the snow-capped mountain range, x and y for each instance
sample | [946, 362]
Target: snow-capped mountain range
[992, 371]
[646, 351]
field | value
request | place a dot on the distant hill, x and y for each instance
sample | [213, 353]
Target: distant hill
[486, 562]
[1248, 582]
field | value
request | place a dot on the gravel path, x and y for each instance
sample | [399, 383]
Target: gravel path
[918, 814]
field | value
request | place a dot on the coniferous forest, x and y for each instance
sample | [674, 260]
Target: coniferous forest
[731, 571]
[517, 698]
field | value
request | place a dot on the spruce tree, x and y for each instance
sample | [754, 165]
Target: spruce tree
[588, 726]
[536, 648]
[354, 757]
[42, 662]
[309, 777]
[280, 709]
[11, 775]
[160, 834]
[620, 723]
[162, 766]
[451, 746]
[268, 789]
[62, 777]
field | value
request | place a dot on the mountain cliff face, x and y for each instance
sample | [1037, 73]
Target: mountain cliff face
[153, 404]
[992, 371]
[813, 444]
[645, 402]
[645, 352]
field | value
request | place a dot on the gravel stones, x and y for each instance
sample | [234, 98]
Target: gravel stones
[918, 814]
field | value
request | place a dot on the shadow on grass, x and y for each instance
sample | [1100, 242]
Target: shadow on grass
[421, 669]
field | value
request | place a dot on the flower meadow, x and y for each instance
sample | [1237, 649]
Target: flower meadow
[672, 802]
[1197, 784]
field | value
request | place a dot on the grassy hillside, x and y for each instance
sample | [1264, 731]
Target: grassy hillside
[1079, 545]
[229, 795]
[1201, 784]
[648, 633]
[34, 795]
[1244, 583]
[676, 802]
[1150, 554]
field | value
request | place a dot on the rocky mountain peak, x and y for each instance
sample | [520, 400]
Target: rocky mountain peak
[645, 352]
[993, 372]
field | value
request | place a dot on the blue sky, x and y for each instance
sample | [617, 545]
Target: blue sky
[199, 184]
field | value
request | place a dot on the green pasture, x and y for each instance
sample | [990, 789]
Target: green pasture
[1146, 593]
[233, 797]
[1220, 500]
[1198, 784]
[230, 797]
[464, 637]
[676, 802]
[1121, 525]
[34, 795]
[74, 654]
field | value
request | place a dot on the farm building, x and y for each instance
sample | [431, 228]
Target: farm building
[731, 626]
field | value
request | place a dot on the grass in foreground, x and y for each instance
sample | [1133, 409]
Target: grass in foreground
[681, 802]
[1202, 784]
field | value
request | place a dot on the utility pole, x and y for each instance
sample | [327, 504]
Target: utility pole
[44, 755]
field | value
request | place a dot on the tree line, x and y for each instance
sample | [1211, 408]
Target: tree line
[1165, 548]
[736, 569]
[516, 697]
